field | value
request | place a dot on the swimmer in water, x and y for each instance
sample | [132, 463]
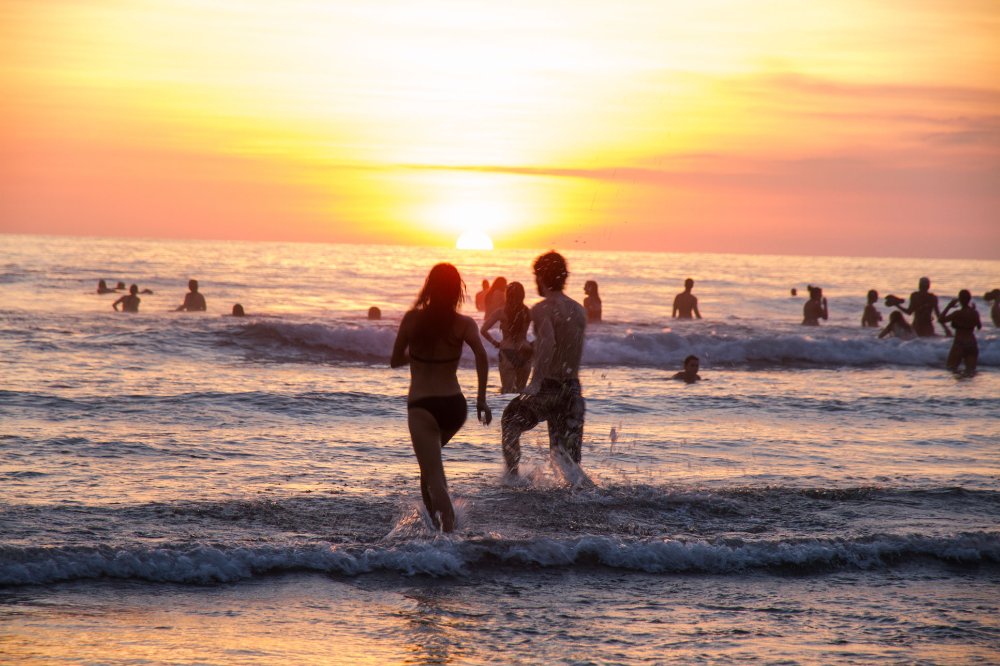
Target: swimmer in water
[685, 302]
[897, 327]
[130, 301]
[871, 317]
[689, 374]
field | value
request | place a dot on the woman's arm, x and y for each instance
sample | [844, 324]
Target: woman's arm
[399, 355]
[482, 370]
[490, 321]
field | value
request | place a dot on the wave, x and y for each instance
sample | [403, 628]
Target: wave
[444, 556]
[724, 344]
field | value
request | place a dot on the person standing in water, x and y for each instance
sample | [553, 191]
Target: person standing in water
[592, 302]
[815, 308]
[924, 306]
[554, 394]
[685, 302]
[496, 296]
[871, 317]
[481, 296]
[515, 350]
[130, 301]
[965, 321]
[193, 301]
[430, 340]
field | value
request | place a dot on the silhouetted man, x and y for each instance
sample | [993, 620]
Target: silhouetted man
[924, 307]
[553, 394]
[686, 302]
[193, 301]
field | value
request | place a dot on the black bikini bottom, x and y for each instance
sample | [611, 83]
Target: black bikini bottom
[449, 411]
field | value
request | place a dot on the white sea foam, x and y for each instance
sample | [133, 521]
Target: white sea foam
[204, 564]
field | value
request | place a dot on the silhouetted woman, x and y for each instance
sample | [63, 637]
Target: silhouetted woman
[964, 322]
[103, 288]
[592, 302]
[496, 296]
[515, 350]
[815, 308]
[430, 340]
[871, 316]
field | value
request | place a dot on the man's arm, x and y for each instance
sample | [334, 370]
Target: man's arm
[676, 307]
[545, 344]
[399, 355]
[695, 301]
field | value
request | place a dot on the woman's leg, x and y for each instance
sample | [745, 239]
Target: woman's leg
[506, 374]
[426, 438]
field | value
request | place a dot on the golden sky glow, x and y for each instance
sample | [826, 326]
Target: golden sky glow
[839, 127]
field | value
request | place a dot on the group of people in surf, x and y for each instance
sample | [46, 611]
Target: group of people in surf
[960, 314]
[194, 300]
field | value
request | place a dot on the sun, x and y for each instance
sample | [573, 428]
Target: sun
[474, 239]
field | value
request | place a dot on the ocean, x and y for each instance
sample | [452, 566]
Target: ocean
[199, 488]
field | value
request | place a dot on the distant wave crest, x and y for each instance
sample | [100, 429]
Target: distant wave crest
[617, 346]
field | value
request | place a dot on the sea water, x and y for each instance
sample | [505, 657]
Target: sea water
[198, 488]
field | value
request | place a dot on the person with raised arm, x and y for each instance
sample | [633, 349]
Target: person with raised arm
[430, 341]
[815, 308]
[193, 300]
[965, 321]
[924, 307]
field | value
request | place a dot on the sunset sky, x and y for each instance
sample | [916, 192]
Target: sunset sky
[835, 127]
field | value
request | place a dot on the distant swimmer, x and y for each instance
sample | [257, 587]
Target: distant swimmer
[553, 394]
[374, 314]
[994, 295]
[871, 317]
[130, 301]
[690, 372]
[897, 327]
[238, 311]
[592, 302]
[496, 296]
[965, 321]
[481, 296]
[815, 308]
[515, 350]
[103, 288]
[430, 340]
[923, 306]
[193, 301]
[685, 302]
[794, 292]
[120, 286]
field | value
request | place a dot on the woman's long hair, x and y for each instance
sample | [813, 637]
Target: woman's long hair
[517, 313]
[437, 304]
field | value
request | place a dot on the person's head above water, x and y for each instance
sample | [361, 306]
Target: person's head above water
[374, 313]
[134, 289]
[443, 289]
[193, 285]
[965, 297]
[924, 284]
[872, 296]
[120, 285]
[691, 364]
[815, 293]
[590, 288]
[238, 311]
[896, 317]
[688, 284]
[550, 271]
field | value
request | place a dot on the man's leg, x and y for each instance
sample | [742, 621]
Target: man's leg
[517, 418]
[566, 427]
